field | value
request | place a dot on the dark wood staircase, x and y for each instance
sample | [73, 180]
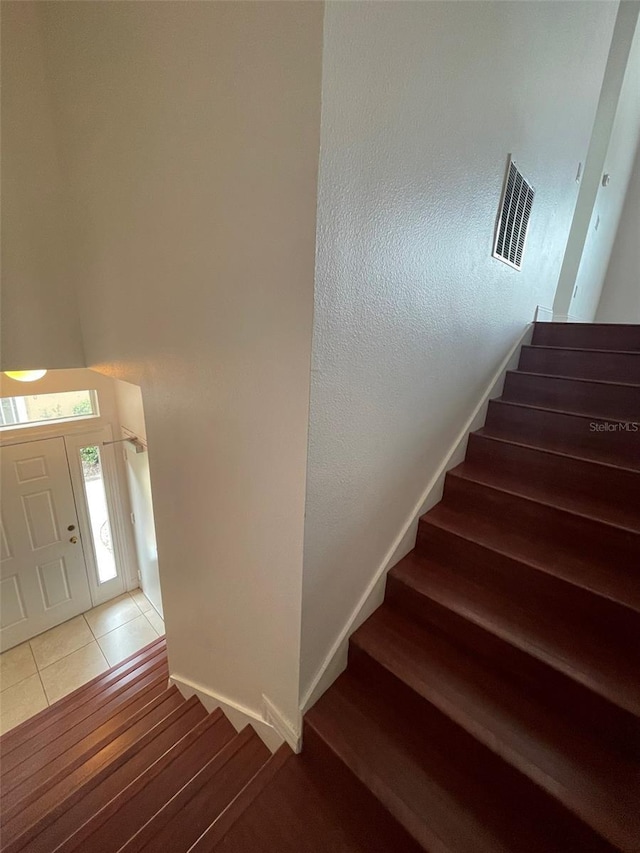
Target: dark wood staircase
[491, 705]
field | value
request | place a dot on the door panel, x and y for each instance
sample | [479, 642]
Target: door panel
[43, 576]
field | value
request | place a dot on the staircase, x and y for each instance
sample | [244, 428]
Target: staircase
[491, 705]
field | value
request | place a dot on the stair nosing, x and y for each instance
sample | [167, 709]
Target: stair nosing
[521, 372]
[591, 417]
[582, 349]
[584, 325]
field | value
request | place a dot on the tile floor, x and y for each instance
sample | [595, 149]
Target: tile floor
[46, 668]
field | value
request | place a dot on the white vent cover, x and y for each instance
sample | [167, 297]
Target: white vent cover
[513, 219]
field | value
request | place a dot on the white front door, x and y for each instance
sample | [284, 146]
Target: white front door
[43, 576]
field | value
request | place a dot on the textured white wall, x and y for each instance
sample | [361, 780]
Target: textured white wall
[39, 318]
[191, 134]
[422, 103]
[620, 299]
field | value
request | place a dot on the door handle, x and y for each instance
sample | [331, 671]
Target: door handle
[73, 540]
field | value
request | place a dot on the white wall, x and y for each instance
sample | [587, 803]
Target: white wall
[131, 413]
[579, 292]
[422, 103]
[190, 132]
[39, 316]
[620, 299]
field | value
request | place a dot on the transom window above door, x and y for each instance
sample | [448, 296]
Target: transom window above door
[36, 409]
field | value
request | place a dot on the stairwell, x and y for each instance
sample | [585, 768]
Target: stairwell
[490, 705]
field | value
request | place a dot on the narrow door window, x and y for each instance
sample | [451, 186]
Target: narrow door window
[98, 512]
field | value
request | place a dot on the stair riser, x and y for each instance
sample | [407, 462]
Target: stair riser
[527, 587]
[549, 685]
[515, 786]
[587, 336]
[579, 436]
[611, 367]
[573, 395]
[613, 491]
[614, 548]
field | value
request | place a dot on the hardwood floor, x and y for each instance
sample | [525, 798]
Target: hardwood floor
[490, 705]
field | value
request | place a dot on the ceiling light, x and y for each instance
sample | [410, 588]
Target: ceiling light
[25, 375]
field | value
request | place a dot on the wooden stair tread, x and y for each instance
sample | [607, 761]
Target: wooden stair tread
[119, 819]
[565, 348]
[222, 825]
[597, 398]
[562, 454]
[579, 362]
[443, 804]
[183, 818]
[104, 742]
[599, 488]
[567, 412]
[71, 708]
[541, 494]
[594, 336]
[81, 721]
[584, 379]
[572, 566]
[298, 812]
[562, 645]
[57, 744]
[52, 819]
[595, 783]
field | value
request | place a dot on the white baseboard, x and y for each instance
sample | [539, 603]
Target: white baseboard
[285, 728]
[273, 731]
[543, 315]
[567, 318]
[336, 660]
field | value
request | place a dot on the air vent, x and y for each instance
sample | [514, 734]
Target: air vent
[513, 220]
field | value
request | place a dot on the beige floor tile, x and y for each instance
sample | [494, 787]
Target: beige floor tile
[59, 642]
[111, 615]
[156, 621]
[127, 639]
[73, 671]
[20, 702]
[141, 600]
[16, 665]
